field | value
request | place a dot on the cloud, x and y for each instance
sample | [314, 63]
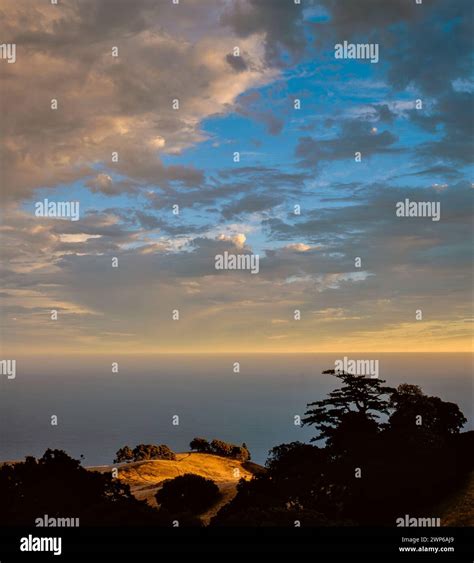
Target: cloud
[355, 136]
[253, 106]
[351, 19]
[250, 204]
[454, 113]
[237, 63]
[112, 104]
[127, 105]
[238, 240]
[398, 28]
[280, 24]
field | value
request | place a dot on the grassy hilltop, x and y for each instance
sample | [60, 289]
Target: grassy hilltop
[145, 478]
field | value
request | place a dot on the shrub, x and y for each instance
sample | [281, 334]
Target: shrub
[188, 493]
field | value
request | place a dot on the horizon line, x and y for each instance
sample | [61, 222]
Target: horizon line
[230, 352]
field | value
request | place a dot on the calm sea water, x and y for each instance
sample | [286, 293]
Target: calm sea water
[99, 411]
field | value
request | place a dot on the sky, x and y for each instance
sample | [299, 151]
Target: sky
[338, 269]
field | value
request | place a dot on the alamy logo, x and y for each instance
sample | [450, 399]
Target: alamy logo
[8, 368]
[408, 521]
[62, 209]
[228, 261]
[357, 51]
[8, 52]
[409, 208]
[51, 522]
[358, 367]
[32, 543]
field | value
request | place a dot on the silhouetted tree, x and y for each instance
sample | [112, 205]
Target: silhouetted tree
[57, 485]
[369, 471]
[367, 397]
[418, 416]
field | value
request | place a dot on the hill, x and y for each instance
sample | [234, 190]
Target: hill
[458, 508]
[145, 478]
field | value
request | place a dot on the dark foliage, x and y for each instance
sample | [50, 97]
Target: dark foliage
[58, 486]
[189, 492]
[362, 398]
[370, 471]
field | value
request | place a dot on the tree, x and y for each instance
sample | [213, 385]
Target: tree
[200, 445]
[417, 415]
[145, 452]
[219, 447]
[359, 394]
[240, 453]
[188, 493]
[164, 452]
[356, 433]
[367, 472]
[58, 485]
[124, 454]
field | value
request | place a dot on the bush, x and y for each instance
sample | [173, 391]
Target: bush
[188, 493]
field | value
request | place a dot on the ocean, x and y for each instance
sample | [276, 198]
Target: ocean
[99, 411]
